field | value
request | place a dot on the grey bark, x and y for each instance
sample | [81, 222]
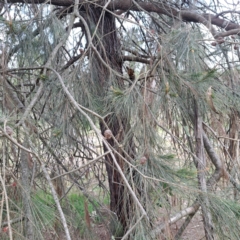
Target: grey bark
[26, 194]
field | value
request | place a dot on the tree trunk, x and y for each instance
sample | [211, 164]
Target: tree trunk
[201, 167]
[233, 149]
[26, 197]
[108, 46]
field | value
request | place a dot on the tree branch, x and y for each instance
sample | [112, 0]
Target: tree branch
[52, 2]
[136, 59]
[161, 8]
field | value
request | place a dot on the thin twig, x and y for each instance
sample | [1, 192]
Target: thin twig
[131, 229]
[90, 162]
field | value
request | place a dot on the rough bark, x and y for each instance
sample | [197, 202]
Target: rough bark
[109, 51]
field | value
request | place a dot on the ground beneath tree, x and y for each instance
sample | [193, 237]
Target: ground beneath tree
[194, 230]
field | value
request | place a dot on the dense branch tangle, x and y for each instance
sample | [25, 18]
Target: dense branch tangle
[121, 77]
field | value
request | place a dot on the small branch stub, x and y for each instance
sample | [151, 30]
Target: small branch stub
[9, 131]
[108, 134]
[131, 74]
[143, 160]
[220, 40]
[235, 47]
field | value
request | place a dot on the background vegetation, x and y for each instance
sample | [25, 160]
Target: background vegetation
[119, 119]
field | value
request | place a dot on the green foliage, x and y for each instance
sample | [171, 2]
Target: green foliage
[186, 173]
[225, 213]
[44, 208]
[203, 76]
[43, 77]
[46, 213]
[231, 207]
[117, 92]
[77, 204]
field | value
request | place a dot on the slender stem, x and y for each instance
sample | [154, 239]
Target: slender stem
[131, 229]
[83, 166]
[55, 197]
